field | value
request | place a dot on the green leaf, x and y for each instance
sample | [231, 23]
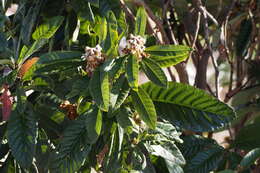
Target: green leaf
[101, 30]
[27, 52]
[21, 134]
[173, 168]
[248, 137]
[188, 107]
[56, 56]
[145, 107]
[250, 158]
[93, 124]
[167, 49]
[48, 29]
[99, 88]
[168, 55]
[154, 72]
[168, 61]
[119, 92]
[205, 161]
[168, 151]
[110, 46]
[132, 71]
[73, 148]
[193, 144]
[140, 24]
[123, 117]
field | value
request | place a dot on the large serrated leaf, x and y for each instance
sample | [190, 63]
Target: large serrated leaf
[145, 107]
[205, 161]
[188, 107]
[168, 55]
[193, 144]
[167, 49]
[140, 24]
[21, 134]
[48, 29]
[57, 56]
[73, 147]
[99, 88]
[154, 72]
[132, 71]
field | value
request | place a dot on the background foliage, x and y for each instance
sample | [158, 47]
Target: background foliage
[155, 110]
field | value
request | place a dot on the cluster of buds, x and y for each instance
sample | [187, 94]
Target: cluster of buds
[70, 108]
[135, 45]
[93, 57]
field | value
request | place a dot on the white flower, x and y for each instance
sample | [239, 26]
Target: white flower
[134, 45]
[93, 57]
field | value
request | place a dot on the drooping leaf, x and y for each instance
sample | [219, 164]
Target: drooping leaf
[93, 124]
[48, 29]
[188, 107]
[132, 71]
[21, 134]
[99, 88]
[145, 107]
[250, 158]
[140, 24]
[154, 72]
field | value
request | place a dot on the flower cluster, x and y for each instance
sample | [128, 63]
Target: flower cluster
[135, 45]
[93, 57]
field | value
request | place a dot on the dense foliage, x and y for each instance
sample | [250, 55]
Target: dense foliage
[74, 98]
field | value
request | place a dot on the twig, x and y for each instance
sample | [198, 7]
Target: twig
[207, 14]
[206, 32]
[127, 10]
[197, 31]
